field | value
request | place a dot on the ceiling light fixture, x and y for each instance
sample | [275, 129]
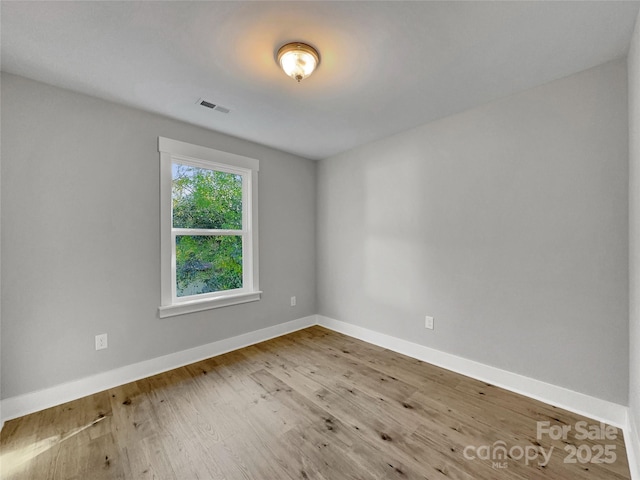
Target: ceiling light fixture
[298, 60]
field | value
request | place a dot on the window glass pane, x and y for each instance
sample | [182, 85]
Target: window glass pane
[204, 198]
[207, 264]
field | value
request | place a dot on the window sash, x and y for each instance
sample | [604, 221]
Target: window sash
[244, 233]
[247, 271]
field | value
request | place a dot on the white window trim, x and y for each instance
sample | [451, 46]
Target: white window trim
[175, 151]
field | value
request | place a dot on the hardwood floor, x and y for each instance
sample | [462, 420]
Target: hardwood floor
[310, 405]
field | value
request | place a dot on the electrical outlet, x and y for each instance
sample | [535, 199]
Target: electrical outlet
[101, 341]
[293, 301]
[428, 322]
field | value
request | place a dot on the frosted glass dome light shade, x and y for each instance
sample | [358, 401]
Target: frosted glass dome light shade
[298, 60]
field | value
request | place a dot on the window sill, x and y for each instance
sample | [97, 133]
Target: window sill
[208, 304]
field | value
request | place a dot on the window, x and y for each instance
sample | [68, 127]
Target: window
[208, 226]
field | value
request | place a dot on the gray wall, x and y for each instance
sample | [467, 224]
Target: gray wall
[508, 223]
[80, 237]
[1, 417]
[634, 226]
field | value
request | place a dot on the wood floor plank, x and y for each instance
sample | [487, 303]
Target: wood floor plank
[314, 404]
[102, 460]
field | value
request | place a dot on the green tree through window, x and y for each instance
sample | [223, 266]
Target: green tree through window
[207, 210]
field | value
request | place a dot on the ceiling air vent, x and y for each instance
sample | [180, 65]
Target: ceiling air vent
[213, 106]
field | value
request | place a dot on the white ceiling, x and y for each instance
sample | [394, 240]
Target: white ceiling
[385, 66]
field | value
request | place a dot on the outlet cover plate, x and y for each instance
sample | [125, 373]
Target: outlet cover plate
[428, 322]
[101, 341]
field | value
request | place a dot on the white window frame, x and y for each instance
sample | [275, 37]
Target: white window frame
[174, 151]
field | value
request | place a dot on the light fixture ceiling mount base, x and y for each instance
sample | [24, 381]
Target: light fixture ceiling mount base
[298, 60]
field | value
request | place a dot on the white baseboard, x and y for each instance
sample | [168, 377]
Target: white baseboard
[632, 440]
[591, 407]
[20, 405]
